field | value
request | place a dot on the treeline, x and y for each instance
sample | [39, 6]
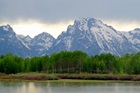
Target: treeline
[72, 62]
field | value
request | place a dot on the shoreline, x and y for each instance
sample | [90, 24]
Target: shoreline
[83, 77]
[69, 81]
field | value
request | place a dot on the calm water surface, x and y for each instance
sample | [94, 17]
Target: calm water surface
[69, 87]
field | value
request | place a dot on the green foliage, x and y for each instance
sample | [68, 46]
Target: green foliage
[72, 62]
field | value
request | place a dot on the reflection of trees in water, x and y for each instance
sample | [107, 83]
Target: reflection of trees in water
[49, 87]
[28, 88]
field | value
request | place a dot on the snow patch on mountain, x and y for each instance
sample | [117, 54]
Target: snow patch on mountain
[6, 28]
[25, 40]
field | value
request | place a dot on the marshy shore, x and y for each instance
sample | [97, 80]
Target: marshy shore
[35, 76]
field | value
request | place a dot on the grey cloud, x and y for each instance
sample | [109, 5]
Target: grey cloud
[51, 11]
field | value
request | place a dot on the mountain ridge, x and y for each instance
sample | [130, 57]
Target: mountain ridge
[97, 37]
[87, 34]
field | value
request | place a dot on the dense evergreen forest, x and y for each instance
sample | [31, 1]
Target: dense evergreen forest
[72, 62]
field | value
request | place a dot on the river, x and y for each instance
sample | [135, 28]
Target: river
[69, 87]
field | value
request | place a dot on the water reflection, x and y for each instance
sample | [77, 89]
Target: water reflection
[68, 87]
[27, 88]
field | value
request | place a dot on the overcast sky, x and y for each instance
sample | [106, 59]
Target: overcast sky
[53, 16]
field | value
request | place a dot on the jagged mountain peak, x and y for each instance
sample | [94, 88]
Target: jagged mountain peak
[89, 26]
[10, 42]
[22, 36]
[85, 23]
[6, 31]
[28, 38]
[85, 20]
[42, 42]
[137, 29]
[25, 39]
[7, 28]
[44, 34]
[43, 37]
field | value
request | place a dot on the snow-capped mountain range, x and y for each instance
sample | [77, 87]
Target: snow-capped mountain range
[87, 34]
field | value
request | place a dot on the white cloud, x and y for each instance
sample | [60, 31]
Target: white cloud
[33, 28]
